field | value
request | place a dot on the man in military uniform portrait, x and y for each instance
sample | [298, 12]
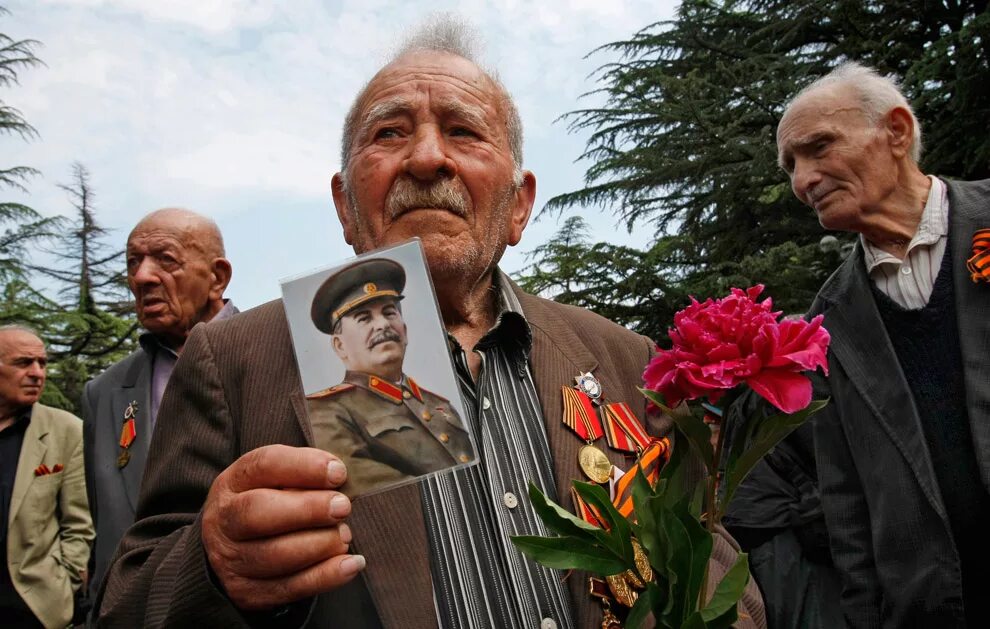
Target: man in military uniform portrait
[379, 421]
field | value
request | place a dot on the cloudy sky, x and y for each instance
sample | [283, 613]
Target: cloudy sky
[233, 108]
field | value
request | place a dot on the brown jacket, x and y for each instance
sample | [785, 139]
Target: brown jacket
[236, 387]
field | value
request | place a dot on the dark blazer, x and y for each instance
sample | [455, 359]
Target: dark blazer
[887, 524]
[113, 491]
[236, 387]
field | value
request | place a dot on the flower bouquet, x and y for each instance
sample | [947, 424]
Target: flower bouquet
[656, 559]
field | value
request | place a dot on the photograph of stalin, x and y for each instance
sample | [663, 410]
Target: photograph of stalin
[384, 427]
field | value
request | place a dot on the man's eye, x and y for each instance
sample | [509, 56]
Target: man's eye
[386, 133]
[463, 132]
[821, 146]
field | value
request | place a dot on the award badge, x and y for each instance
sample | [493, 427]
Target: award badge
[580, 416]
[128, 433]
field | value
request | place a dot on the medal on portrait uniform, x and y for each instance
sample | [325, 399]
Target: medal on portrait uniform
[128, 433]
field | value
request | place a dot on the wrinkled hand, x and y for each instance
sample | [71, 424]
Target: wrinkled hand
[273, 527]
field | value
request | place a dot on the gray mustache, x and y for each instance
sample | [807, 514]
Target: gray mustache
[442, 194]
[383, 337]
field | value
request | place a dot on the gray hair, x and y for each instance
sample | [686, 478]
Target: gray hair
[877, 95]
[442, 32]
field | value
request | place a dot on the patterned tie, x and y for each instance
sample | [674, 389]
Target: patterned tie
[979, 264]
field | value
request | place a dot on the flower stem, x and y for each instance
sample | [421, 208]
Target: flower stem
[711, 510]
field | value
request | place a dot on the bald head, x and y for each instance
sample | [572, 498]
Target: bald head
[177, 271]
[23, 364]
[195, 227]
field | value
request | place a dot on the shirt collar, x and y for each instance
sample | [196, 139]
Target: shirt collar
[933, 226]
[511, 331]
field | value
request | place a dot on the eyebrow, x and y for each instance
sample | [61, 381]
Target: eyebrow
[800, 144]
[382, 111]
[473, 116]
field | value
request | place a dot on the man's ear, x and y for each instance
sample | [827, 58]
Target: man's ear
[338, 347]
[344, 209]
[522, 208]
[222, 272]
[900, 131]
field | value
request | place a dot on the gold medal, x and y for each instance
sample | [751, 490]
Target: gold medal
[124, 458]
[594, 463]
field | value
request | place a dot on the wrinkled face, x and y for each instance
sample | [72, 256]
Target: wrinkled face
[839, 162]
[431, 158]
[372, 339]
[23, 364]
[171, 276]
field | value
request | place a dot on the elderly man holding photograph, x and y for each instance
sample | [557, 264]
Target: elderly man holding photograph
[903, 450]
[233, 530]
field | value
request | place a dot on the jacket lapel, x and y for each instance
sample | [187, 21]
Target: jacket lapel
[558, 356]
[969, 210]
[32, 454]
[136, 387]
[861, 344]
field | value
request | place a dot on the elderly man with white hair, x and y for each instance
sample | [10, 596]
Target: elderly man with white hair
[903, 450]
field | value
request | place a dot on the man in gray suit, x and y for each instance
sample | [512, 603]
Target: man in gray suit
[177, 271]
[903, 450]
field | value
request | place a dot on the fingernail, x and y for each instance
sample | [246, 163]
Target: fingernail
[352, 565]
[336, 472]
[339, 506]
[344, 532]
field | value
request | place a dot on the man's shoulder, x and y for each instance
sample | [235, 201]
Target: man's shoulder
[331, 392]
[116, 372]
[583, 318]
[56, 417]
[255, 324]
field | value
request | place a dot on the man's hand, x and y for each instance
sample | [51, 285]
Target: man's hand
[273, 527]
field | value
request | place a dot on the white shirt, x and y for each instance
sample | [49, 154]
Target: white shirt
[909, 282]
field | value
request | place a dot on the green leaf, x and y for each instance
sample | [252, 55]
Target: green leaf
[678, 554]
[698, 434]
[701, 551]
[620, 536]
[768, 433]
[567, 553]
[558, 519]
[727, 593]
[694, 621]
[641, 609]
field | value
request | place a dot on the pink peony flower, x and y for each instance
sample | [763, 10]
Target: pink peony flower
[719, 344]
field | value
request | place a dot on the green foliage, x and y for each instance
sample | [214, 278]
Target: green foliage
[685, 143]
[20, 226]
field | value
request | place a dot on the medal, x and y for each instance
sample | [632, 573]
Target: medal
[594, 463]
[589, 385]
[128, 433]
[623, 431]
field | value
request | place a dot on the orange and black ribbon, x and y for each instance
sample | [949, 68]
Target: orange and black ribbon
[650, 462]
[622, 429]
[979, 264]
[580, 415]
[587, 512]
[128, 433]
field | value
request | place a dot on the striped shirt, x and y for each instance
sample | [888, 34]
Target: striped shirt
[480, 579]
[909, 281]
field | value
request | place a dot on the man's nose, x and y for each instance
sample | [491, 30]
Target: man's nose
[428, 159]
[145, 273]
[36, 370]
[804, 178]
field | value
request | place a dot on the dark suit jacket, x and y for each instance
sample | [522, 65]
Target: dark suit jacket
[237, 388]
[113, 491]
[888, 527]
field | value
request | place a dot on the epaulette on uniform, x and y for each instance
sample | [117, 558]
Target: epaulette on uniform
[343, 386]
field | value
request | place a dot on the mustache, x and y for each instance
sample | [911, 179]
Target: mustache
[383, 337]
[443, 194]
